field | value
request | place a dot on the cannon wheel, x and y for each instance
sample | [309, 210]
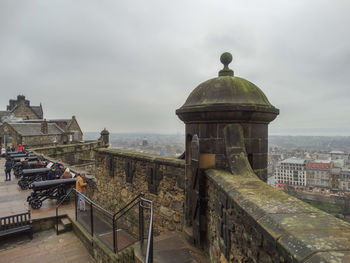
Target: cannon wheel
[24, 186]
[36, 203]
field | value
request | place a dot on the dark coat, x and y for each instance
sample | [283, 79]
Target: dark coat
[51, 175]
[8, 166]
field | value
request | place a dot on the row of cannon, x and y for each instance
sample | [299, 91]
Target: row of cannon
[31, 174]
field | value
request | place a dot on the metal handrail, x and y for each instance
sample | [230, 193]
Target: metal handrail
[94, 204]
[138, 200]
[124, 207]
[149, 251]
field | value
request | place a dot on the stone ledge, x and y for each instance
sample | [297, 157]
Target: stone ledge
[59, 146]
[160, 159]
[298, 231]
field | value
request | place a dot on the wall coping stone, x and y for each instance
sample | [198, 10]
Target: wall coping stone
[65, 145]
[299, 231]
[160, 159]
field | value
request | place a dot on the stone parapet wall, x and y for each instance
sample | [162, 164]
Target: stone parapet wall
[249, 221]
[42, 140]
[122, 175]
[73, 154]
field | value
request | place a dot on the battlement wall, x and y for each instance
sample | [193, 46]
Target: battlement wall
[249, 221]
[122, 175]
[73, 154]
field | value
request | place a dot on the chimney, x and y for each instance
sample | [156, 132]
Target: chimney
[44, 127]
[21, 98]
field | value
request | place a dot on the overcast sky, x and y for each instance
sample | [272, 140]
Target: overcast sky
[128, 65]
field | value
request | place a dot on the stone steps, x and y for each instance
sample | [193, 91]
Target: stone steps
[64, 225]
[171, 247]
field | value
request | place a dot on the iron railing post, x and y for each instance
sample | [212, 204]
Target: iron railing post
[114, 237]
[150, 259]
[92, 219]
[141, 223]
[76, 206]
[57, 221]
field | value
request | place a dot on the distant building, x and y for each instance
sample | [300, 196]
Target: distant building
[319, 173]
[344, 180]
[21, 108]
[32, 134]
[291, 171]
[144, 141]
[335, 155]
[23, 124]
[335, 174]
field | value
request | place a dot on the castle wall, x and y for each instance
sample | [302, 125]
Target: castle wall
[73, 154]
[249, 221]
[41, 140]
[122, 175]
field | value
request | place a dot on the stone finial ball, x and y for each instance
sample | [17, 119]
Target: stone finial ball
[226, 58]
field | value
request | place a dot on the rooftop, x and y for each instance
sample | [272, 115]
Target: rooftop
[31, 129]
[294, 160]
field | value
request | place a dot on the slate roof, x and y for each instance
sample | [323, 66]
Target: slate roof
[65, 122]
[30, 129]
[4, 114]
[38, 110]
[319, 165]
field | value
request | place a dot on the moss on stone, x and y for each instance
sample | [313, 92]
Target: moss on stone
[160, 159]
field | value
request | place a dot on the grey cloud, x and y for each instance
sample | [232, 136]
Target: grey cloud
[127, 65]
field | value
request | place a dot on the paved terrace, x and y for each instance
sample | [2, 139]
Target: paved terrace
[13, 200]
[169, 247]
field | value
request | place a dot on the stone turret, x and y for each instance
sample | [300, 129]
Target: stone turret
[212, 108]
[105, 136]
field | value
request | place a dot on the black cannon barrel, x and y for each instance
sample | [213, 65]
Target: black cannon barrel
[17, 155]
[35, 171]
[51, 183]
[29, 158]
[20, 154]
[10, 152]
[30, 163]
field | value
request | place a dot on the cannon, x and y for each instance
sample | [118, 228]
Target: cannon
[51, 189]
[20, 155]
[29, 158]
[30, 176]
[20, 166]
[21, 159]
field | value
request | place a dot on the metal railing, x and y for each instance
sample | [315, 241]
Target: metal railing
[101, 223]
[149, 250]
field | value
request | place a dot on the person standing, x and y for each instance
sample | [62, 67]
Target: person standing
[67, 175]
[52, 174]
[80, 186]
[8, 166]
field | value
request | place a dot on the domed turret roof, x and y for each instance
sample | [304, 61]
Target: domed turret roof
[229, 95]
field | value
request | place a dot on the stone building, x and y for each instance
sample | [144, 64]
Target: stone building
[319, 173]
[21, 108]
[291, 171]
[344, 180]
[32, 134]
[22, 123]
